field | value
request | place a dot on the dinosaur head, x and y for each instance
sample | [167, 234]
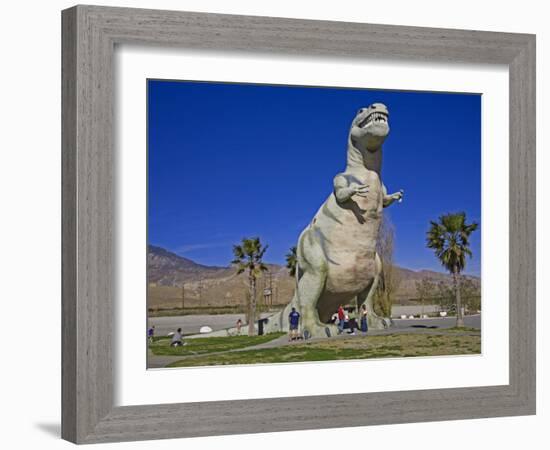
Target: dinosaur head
[370, 127]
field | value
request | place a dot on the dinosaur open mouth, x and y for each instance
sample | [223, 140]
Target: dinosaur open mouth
[374, 117]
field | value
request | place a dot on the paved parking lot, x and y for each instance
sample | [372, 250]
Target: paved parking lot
[192, 324]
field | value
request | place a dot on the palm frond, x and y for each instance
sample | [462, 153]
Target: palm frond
[292, 260]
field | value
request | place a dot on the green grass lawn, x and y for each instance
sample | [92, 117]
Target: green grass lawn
[382, 346]
[200, 346]
[459, 330]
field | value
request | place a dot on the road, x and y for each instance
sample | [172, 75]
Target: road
[192, 324]
[415, 310]
[473, 321]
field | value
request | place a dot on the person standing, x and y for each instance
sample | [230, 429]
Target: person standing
[364, 319]
[294, 321]
[341, 319]
[151, 334]
[239, 325]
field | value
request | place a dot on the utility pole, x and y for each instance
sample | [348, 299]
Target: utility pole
[200, 292]
[183, 296]
[268, 291]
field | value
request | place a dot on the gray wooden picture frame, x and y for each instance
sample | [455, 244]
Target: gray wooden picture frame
[90, 34]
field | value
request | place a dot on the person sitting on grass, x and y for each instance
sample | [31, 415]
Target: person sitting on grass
[177, 339]
[352, 322]
[294, 321]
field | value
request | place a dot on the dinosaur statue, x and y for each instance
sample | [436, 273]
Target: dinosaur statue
[337, 260]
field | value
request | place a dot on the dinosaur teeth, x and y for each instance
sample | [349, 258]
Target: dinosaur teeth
[373, 117]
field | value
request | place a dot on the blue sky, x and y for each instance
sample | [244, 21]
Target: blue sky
[228, 161]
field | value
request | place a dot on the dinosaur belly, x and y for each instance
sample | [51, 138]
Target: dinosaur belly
[351, 274]
[348, 239]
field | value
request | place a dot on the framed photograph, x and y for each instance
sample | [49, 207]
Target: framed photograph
[283, 217]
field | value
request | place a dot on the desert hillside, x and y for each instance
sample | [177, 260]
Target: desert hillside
[174, 280]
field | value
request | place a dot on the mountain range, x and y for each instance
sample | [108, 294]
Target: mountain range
[171, 277]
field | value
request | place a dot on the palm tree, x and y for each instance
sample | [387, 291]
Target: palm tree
[248, 257]
[449, 238]
[291, 261]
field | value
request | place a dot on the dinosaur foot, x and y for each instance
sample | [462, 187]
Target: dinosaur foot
[378, 323]
[319, 330]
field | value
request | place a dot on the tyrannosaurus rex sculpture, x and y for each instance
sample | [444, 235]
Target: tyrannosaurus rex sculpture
[337, 259]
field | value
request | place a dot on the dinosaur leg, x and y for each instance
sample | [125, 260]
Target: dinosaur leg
[310, 288]
[366, 297]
